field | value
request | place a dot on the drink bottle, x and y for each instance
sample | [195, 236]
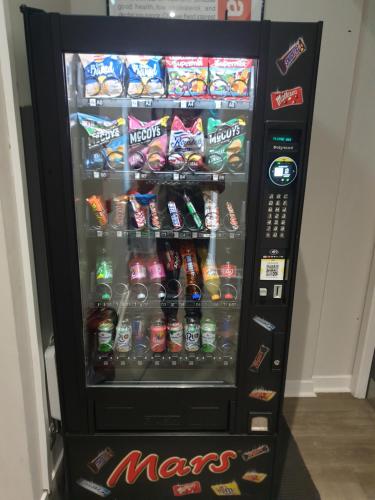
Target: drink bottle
[208, 332]
[191, 267]
[139, 338]
[172, 264]
[192, 333]
[106, 330]
[138, 276]
[155, 270]
[226, 333]
[228, 276]
[104, 276]
[158, 334]
[210, 273]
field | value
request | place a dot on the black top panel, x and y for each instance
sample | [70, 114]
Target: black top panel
[160, 36]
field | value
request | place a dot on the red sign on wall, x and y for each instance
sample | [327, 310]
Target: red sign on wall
[238, 10]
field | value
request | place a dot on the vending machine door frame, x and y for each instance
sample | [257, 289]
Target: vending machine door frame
[49, 37]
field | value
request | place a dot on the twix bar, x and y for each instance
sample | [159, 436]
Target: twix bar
[255, 452]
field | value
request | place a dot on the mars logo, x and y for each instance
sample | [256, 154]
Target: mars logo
[133, 465]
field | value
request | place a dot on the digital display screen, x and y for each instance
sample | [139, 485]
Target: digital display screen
[278, 172]
[282, 171]
[282, 138]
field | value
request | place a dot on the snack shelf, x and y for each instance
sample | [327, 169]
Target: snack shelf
[176, 304]
[165, 359]
[246, 104]
[165, 177]
[164, 234]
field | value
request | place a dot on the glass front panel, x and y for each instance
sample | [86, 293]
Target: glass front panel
[160, 158]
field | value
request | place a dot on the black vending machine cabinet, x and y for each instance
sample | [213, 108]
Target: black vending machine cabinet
[172, 160]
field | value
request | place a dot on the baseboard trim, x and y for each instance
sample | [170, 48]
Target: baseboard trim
[299, 389]
[310, 388]
[332, 383]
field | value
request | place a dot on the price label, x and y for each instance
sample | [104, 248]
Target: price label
[147, 103]
[119, 234]
[92, 102]
[137, 175]
[157, 234]
[99, 234]
[187, 104]
[96, 175]
[134, 103]
[194, 235]
[176, 177]
[176, 235]
[218, 104]
[231, 236]
[215, 177]
[232, 104]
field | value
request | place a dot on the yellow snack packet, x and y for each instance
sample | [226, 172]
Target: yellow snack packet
[226, 489]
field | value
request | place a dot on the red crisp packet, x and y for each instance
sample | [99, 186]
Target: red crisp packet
[285, 98]
[180, 490]
[229, 77]
[187, 76]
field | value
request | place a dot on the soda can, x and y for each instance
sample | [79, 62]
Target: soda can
[175, 332]
[158, 335]
[139, 335]
[105, 335]
[192, 334]
[208, 330]
[123, 341]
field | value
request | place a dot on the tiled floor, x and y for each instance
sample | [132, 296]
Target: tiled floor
[336, 436]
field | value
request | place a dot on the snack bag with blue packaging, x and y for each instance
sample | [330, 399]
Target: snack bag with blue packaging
[146, 76]
[103, 74]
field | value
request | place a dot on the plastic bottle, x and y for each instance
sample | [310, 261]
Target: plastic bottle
[138, 276]
[155, 270]
[210, 273]
[228, 276]
[104, 277]
[192, 333]
[208, 332]
[191, 267]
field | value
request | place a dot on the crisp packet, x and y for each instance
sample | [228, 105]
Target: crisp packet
[101, 130]
[226, 144]
[103, 74]
[229, 77]
[148, 143]
[226, 489]
[187, 76]
[114, 153]
[262, 394]
[254, 477]
[146, 76]
[186, 144]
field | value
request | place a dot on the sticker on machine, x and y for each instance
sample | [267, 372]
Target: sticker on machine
[286, 61]
[285, 98]
[272, 269]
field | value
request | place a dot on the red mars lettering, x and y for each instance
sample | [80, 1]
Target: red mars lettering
[132, 466]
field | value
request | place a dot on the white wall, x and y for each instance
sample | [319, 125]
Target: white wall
[338, 223]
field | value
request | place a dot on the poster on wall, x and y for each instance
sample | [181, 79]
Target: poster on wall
[233, 10]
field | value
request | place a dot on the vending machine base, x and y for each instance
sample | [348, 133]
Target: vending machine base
[165, 465]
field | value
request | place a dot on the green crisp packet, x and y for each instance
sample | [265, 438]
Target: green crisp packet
[226, 143]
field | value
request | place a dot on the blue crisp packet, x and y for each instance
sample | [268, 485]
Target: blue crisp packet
[101, 130]
[104, 75]
[146, 76]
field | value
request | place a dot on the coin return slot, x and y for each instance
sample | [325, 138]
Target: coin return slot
[277, 291]
[259, 424]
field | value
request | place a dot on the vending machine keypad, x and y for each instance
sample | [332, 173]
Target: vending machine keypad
[277, 215]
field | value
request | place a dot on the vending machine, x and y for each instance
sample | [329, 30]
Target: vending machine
[172, 159]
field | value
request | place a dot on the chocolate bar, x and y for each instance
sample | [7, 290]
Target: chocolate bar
[262, 394]
[254, 477]
[255, 452]
[259, 358]
[99, 490]
[180, 490]
[284, 98]
[227, 489]
[97, 463]
[287, 60]
[264, 323]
